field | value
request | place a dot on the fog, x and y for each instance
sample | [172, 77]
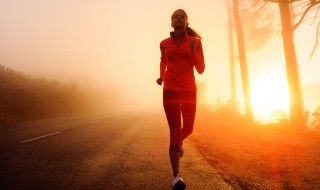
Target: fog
[113, 46]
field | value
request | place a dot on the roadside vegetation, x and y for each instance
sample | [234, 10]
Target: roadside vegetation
[24, 98]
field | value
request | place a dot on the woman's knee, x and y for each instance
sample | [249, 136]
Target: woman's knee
[187, 131]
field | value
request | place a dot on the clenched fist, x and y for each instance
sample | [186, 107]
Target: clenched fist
[159, 81]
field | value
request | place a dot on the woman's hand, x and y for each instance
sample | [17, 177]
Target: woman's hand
[159, 81]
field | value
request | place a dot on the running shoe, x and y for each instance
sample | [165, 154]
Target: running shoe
[178, 183]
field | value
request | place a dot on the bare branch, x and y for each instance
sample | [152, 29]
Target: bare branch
[262, 6]
[292, 1]
[315, 46]
[307, 19]
[278, 1]
[312, 4]
[253, 5]
[301, 3]
[301, 13]
[256, 3]
[273, 1]
[315, 16]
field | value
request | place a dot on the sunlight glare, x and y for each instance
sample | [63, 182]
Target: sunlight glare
[269, 96]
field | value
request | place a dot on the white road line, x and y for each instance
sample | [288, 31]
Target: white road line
[43, 136]
[94, 122]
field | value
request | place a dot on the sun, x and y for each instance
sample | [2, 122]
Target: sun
[269, 96]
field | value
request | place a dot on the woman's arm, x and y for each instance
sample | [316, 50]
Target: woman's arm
[198, 56]
[163, 66]
[163, 62]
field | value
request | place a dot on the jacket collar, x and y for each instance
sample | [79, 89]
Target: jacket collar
[185, 35]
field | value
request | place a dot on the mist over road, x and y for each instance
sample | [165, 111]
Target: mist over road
[102, 151]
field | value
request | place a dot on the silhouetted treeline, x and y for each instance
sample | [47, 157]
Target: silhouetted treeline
[23, 98]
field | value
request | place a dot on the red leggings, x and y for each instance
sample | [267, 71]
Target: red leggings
[177, 103]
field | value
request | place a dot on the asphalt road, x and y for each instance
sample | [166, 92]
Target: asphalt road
[102, 151]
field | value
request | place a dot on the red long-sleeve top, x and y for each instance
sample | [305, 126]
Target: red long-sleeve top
[178, 61]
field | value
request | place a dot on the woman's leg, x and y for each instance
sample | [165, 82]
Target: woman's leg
[171, 106]
[188, 108]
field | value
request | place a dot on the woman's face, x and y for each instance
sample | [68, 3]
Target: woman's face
[179, 19]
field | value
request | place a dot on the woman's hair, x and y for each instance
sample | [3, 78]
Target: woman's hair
[190, 31]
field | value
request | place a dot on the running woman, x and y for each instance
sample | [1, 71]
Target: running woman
[180, 54]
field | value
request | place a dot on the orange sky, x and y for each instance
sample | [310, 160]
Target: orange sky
[115, 44]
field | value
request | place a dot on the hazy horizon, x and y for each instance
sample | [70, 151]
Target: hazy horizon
[115, 46]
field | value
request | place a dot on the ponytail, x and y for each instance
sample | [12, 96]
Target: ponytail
[193, 33]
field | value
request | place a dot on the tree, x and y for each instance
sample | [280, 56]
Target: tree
[308, 6]
[257, 31]
[231, 56]
[243, 62]
[293, 78]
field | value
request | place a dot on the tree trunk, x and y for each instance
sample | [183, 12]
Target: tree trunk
[293, 78]
[231, 56]
[243, 62]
